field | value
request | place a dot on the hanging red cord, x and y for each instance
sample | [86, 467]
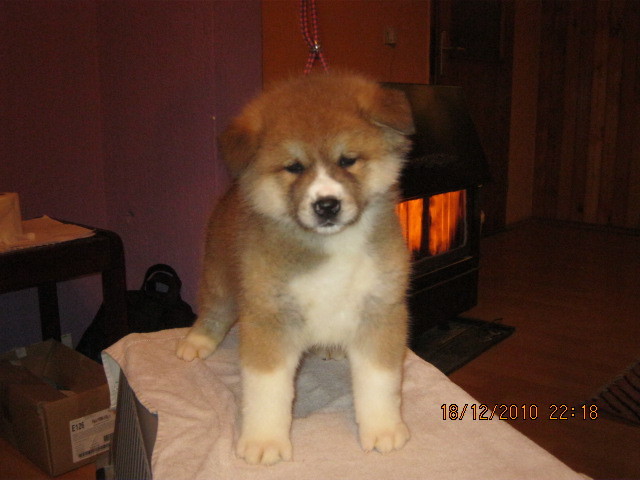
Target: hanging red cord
[308, 13]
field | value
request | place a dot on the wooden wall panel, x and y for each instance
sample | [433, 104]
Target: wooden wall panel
[587, 166]
[351, 34]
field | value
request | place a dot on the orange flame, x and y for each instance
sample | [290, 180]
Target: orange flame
[445, 211]
[410, 213]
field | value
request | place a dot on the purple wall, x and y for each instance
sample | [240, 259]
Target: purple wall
[109, 112]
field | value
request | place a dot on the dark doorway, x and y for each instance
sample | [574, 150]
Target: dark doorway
[472, 48]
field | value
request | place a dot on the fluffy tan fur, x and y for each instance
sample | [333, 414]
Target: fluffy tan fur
[298, 279]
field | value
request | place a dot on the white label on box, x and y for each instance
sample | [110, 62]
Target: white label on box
[92, 434]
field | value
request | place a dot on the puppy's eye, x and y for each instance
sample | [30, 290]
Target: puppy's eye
[295, 168]
[346, 162]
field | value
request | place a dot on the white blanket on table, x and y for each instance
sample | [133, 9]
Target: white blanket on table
[197, 408]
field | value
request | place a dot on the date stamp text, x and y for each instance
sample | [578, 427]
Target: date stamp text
[481, 411]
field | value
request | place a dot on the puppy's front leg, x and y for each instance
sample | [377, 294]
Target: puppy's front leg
[267, 398]
[377, 400]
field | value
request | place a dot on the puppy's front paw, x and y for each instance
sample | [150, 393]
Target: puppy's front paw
[264, 451]
[195, 345]
[384, 438]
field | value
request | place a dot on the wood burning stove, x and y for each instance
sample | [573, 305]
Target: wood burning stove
[440, 211]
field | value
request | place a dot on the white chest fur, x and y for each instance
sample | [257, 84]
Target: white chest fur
[331, 296]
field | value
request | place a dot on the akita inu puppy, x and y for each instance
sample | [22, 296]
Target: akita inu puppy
[306, 251]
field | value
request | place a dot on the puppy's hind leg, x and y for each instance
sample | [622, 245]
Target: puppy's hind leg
[217, 314]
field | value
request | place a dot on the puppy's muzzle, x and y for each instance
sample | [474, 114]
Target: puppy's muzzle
[327, 208]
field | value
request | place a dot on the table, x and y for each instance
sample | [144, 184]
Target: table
[43, 266]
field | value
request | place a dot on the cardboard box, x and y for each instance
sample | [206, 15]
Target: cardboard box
[55, 406]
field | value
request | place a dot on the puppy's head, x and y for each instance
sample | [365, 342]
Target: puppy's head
[315, 151]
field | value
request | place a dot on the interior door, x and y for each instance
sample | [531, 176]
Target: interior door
[472, 48]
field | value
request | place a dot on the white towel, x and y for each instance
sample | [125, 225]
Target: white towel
[197, 407]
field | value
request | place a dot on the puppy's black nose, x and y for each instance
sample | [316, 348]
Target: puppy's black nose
[326, 207]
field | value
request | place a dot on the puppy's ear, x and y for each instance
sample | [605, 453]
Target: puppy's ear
[389, 108]
[239, 143]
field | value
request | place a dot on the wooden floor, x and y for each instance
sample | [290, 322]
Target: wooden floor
[573, 296]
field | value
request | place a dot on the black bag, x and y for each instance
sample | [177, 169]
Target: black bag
[156, 306]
